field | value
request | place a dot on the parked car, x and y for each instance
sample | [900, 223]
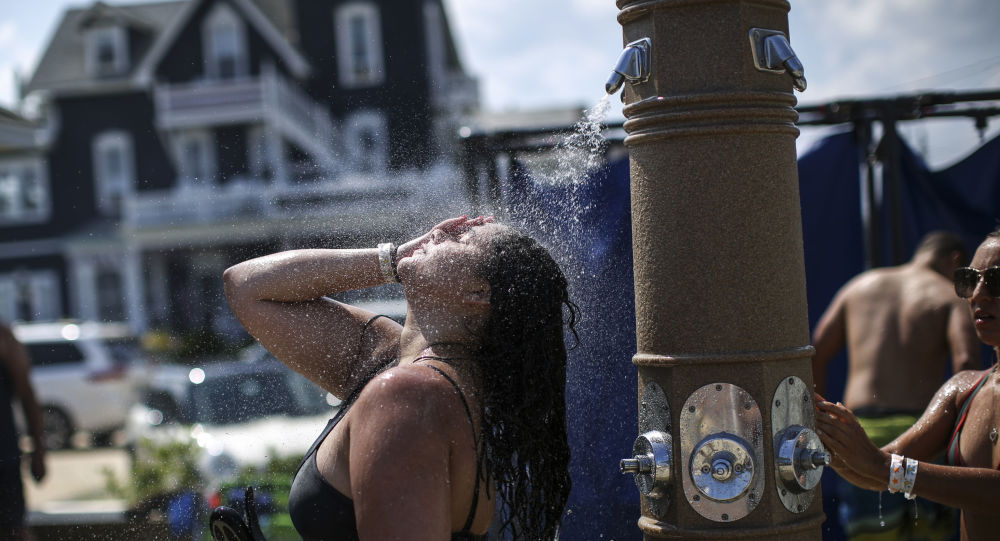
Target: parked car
[238, 413]
[87, 376]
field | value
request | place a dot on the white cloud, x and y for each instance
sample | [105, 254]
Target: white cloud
[7, 32]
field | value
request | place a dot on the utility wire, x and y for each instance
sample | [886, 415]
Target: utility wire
[985, 63]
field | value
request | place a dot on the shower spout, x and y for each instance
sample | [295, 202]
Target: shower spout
[632, 66]
[772, 52]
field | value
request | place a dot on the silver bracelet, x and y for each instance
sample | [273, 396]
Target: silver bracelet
[387, 262]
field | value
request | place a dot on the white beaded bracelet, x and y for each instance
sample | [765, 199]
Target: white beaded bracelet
[896, 473]
[909, 478]
[387, 263]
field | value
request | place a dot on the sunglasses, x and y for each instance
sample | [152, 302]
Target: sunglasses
[967, 278]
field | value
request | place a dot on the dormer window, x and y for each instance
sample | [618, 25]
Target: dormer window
[107, 51]
[360, 59]
[224, 38]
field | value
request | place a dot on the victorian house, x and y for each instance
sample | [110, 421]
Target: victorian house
[176, 138]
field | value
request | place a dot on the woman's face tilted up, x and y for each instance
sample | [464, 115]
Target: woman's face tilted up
[447, 266]
[986, 308]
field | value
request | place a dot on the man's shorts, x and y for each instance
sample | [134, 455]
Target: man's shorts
[11, 494]
[866, 515]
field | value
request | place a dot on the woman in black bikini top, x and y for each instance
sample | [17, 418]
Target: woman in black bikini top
[962, 419]
[462, 406]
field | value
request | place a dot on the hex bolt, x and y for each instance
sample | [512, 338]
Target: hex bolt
[777, 403]
[718, 387]
[725, 516]
[691, 409]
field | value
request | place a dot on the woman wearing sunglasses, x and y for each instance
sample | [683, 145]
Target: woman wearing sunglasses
[961, 421]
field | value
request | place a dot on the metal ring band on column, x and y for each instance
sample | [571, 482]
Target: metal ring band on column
[667, 361]
[634, 9]
[663, 530]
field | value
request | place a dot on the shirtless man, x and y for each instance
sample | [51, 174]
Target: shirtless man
[900, 325]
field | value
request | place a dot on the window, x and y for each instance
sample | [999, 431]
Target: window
[195, 158]
[30, 296]
[435, 42]
[107, 51]
[259, 153]
[113, 171]
[359, 45]
[366, 136]
[54, 353]
[224, 39]
[110, 295]
[24, 191]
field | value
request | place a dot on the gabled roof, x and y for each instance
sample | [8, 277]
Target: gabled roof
[101, 12]
[63, 67]
[260, 22]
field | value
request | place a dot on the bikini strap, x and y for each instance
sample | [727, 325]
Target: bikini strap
[475, 441]
[953, 454]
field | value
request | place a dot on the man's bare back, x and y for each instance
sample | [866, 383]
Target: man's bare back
[899, 324]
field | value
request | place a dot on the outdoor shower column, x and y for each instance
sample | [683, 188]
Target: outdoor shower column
[722, 329]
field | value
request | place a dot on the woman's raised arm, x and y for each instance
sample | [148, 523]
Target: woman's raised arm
[280, 300]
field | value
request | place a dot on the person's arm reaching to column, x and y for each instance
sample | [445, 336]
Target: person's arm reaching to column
[828, 339]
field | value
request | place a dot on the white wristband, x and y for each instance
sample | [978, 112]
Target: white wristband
[896, 473]
[386, 263]
[909, 478]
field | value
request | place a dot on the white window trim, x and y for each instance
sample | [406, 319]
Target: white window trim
[186, 179]
[44, 210]
[104, 186]
[91, 49]
[355, 126]
[223, 16]
[375, 56]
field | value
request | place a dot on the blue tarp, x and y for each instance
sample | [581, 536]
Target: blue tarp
[590, 223]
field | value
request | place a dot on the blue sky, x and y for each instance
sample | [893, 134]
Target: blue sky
[533, 54]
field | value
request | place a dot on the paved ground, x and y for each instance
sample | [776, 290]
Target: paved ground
[76, 477]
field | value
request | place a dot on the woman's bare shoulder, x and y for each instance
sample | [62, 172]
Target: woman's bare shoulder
[959, 385]
[412, 392]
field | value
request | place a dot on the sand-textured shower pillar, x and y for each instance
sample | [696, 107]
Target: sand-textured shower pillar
[719, 272]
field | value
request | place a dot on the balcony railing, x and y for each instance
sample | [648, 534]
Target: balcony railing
[410, 192]
[269, 98]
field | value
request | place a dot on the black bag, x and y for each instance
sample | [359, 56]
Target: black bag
[227, 524]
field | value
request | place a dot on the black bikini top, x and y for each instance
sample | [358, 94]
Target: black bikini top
[319, 511]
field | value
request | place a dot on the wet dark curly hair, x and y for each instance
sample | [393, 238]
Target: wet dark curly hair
[523, 356]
